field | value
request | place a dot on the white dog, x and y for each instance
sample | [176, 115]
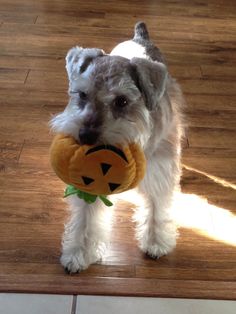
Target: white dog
[127, 96]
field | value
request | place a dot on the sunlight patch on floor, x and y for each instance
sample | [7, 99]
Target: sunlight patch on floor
[194, 212]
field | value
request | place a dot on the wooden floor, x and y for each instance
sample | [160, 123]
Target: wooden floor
[198, 39]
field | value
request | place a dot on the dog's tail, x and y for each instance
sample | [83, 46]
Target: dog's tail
[141, 37]
[140, 32]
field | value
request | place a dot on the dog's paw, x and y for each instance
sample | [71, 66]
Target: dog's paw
[74, 261]
[156, 251]
[160, 246]
[158, 241]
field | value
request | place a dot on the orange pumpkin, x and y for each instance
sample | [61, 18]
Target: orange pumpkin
[99, 170]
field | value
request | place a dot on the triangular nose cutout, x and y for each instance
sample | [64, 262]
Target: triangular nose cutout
[87, 180]
[113, 186]
[105, 167]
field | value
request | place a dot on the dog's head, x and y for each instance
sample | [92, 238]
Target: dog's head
[111, 98]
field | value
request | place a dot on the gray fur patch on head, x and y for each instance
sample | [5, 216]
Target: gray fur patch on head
[113, 75]
[78, 59]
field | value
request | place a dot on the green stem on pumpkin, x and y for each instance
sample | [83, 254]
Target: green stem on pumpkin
[87, 197]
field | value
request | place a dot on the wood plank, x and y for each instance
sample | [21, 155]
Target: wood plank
[125, 271]
[8, 76]
[23, 252]
[123, 286]
[187, 23]
[193, 9]
[31, 98]
[178, 71]
[174, 27]
[185, 273]
[56, 81]
[210, 152]
[37, 46]
[17, 17]
[209, 102]
[32, 152]
[193, 182]
[211, 137]
[28, 131]
[64, 37]
[31, 62]
[22, 231]
[10, 151]
[58, 32]
[82, 17]
[11, 179]
[222, 119]
[223, 168]
[35, 124]
[200, 42]
[220, 72]
[32, 208]
[207, 87]
[31, 268]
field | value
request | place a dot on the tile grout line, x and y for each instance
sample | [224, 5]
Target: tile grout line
[74, 304]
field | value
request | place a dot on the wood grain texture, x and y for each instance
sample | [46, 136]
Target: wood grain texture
[198, 40]
[121, 286]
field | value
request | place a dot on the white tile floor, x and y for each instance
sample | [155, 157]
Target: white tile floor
[35, 304]
[56, 304]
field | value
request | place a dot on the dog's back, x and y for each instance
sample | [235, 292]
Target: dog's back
[140, 46]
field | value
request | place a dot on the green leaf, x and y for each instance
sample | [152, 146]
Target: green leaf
[70, 190]
[87, 197]
[105, 200]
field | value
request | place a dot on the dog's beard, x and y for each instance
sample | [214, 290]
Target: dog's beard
[135, 127]
[120, 131]
[141, 126]
[132, 129]
[67, 122]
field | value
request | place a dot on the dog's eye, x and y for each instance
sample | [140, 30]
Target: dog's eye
[83, 95]
[121, 101]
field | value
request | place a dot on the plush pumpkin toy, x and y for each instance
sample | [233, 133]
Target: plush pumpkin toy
[93, 171]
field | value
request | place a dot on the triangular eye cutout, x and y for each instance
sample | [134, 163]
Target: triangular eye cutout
[87, 180]
[113, 186]
[105, 167]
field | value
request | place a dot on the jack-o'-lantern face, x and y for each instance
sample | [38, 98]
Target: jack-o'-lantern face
[100, 170]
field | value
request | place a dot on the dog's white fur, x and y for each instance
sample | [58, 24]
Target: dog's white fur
[157, 129]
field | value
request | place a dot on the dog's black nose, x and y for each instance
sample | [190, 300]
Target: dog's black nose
[88, 136]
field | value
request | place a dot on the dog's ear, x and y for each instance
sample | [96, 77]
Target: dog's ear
[78, 59]
[151, 78]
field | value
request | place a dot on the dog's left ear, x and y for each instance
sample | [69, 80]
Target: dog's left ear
[78, 59]
[152, 78]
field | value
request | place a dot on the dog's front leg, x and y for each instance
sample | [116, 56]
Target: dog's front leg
[156, 231]
[85, 235]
